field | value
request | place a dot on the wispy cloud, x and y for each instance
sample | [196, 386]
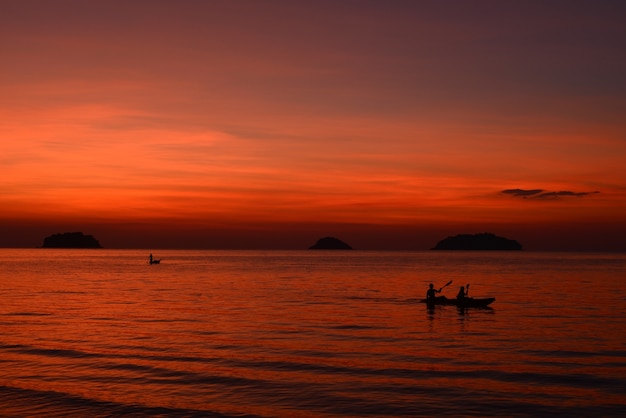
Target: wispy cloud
[522, 193]
[544, 194]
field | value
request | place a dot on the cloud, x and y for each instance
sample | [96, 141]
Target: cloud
[556, 195]
[521, 192]
[544, 194]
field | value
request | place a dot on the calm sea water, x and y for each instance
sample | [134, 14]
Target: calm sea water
[309, 334]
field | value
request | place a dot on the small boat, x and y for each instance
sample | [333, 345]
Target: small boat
[155, 261]
[463, 303]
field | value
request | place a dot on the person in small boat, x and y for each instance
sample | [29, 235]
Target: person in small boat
[430, 293]
[150, 258]
[462, 293]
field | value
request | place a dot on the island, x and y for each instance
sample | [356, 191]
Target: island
[483, 241]
[330, 243]
[71, 240]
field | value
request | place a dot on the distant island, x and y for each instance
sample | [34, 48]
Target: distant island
[330, 243]
[71, 240]
[483, 241]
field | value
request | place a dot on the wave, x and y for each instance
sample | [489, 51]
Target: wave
[322, 386]
[15, 401]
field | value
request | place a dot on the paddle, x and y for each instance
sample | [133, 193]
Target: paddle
[445, 285]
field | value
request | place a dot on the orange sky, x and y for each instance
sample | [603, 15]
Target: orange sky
[269, 124]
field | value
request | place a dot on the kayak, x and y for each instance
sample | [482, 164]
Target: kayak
[463, 303]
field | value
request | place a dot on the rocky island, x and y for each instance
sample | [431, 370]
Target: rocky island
[71, 240]
[330, 243]
[483, 241]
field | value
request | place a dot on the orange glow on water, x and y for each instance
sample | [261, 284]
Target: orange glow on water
[258, 331]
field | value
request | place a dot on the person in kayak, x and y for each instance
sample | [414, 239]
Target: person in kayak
[430, 293]
[462, 293]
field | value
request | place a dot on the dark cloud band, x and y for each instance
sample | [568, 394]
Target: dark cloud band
[544, 194]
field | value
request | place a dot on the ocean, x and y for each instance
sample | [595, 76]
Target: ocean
[101, 333]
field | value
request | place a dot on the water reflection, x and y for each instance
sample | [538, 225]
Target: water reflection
[462, 311]
[430, 309]
[301, 334]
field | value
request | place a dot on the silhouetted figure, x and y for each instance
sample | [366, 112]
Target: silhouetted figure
[150, 258]
[430, 293]
[462, 293]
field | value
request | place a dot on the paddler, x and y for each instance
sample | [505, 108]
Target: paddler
[430, 293]
[462, 293]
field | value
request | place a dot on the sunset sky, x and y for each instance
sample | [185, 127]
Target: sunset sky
[270, 124]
